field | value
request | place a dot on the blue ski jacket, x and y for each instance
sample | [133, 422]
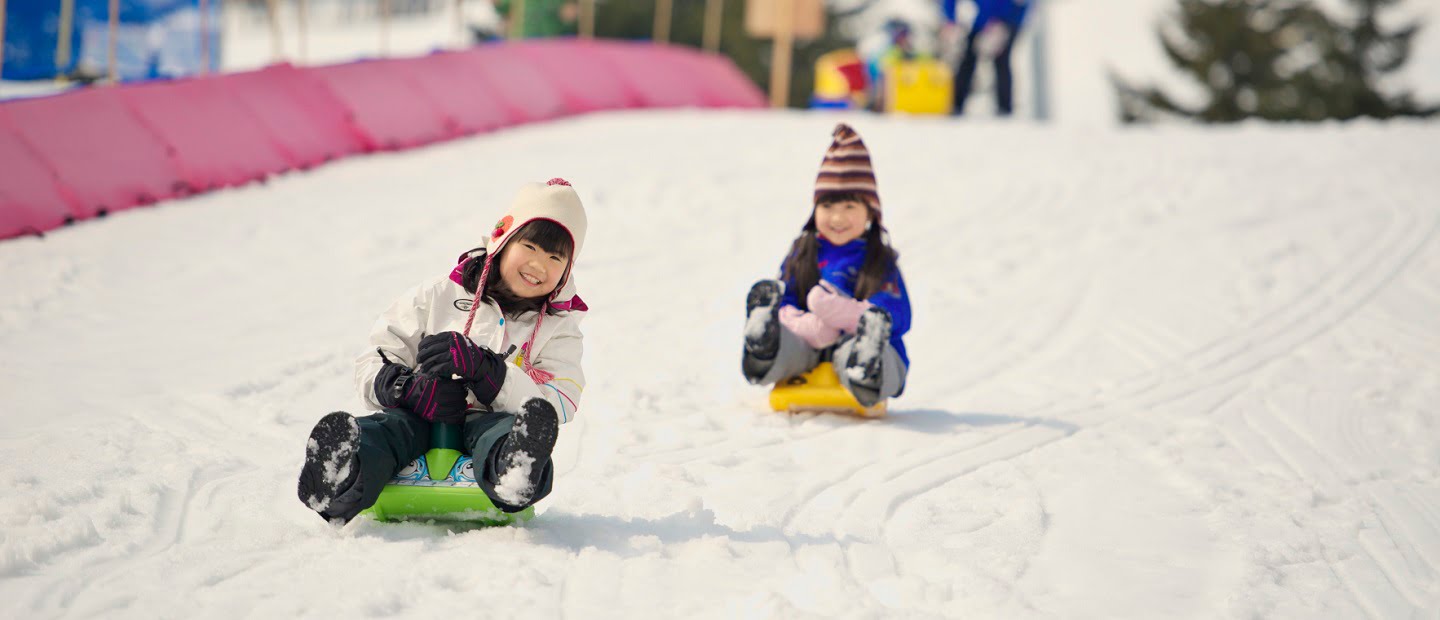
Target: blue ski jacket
[840, 265]
[1012, 12]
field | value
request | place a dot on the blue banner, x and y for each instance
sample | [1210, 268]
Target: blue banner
[154, 39]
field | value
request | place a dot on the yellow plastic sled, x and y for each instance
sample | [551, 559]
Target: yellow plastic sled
[820, 390]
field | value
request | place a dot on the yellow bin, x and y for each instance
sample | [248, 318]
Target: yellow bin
[921, 86]
[820, 390]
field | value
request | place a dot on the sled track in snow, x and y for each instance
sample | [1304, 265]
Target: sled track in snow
[862, 495]
[1233, 352]
[868, 497]
[84, 592]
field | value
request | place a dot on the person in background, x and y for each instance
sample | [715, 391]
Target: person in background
[997, 22]
[899, 46]
[542, 18]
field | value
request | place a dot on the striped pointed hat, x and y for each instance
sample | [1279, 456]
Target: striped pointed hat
[846, 168]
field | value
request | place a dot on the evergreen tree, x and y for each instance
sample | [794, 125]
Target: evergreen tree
[1278, 60]
[1365, 52]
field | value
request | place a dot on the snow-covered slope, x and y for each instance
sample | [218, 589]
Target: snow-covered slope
[1168, 373]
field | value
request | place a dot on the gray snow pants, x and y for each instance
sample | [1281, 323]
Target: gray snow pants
[797, 357]
[393, 438]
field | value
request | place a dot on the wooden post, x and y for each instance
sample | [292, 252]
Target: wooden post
[62, 39]
[587, 19]
[384, 28]
[204, 37]
[1038, 59]
[302, 30]
[714, 14]
[781, 55]
[663, 11]
[517, 19]
[112, 70]
[2, 40]
[277, 45]
[459, 23]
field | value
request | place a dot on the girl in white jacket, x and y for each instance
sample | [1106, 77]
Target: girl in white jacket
[496, 345]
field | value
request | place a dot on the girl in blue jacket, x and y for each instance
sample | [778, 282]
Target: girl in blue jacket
[840, 296]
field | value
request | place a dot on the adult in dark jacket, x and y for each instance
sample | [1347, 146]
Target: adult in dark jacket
[997, 22]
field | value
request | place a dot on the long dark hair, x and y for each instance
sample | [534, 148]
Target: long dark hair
[545, 234]
[802, 267]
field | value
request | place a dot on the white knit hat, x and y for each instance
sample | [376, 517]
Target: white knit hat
[555, 200]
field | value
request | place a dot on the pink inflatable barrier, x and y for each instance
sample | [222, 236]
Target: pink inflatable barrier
[31, 199]
[469, 103]
[720, 82]
[585, 81]
[89, 151]
[521, 86]
[300, 115]
[653, 74]
[389, 107]
[183, 113]
[100, 152]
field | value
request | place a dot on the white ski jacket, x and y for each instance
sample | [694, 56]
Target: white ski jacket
[552, 370]
[443, 305]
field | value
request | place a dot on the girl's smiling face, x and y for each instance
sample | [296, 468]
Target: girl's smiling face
[530, 271]
[841, 221]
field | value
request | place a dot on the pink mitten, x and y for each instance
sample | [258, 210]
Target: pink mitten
[837, 310]
[808, 327]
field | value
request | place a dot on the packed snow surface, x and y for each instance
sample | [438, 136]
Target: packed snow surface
[1176, 372]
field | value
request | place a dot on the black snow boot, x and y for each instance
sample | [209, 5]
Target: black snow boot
[865, 365]
[523, 454]
[762, 329]
[762, 323]
[329, 481]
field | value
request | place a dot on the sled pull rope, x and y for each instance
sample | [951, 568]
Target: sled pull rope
[479, 292]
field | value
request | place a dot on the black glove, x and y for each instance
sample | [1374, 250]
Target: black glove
[436, 400]
[450, 354]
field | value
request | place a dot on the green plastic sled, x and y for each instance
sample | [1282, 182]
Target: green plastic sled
[440, 486]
